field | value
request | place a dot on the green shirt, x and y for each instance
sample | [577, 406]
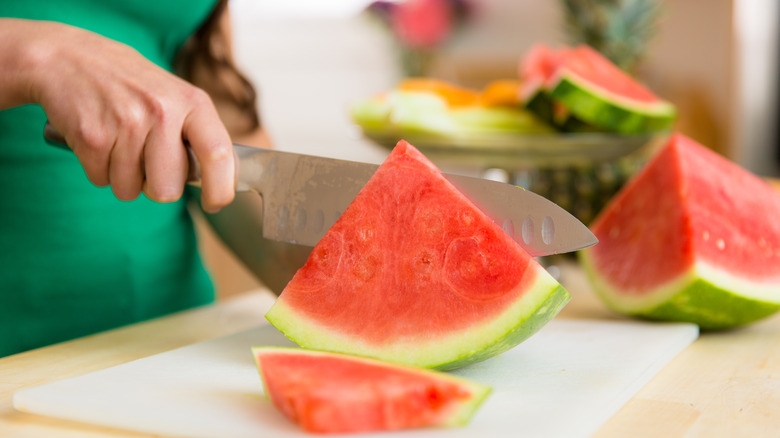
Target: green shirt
[74, 259]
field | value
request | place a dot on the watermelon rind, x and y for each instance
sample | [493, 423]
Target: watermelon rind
[539, 103]
[704, 295]
[539, 304]
[597, 106]
[461, 416]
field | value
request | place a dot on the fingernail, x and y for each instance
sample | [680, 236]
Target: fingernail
[165, 194]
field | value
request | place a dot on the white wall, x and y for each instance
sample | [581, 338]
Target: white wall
[307, 71]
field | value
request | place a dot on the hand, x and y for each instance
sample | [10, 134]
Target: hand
[124, 117]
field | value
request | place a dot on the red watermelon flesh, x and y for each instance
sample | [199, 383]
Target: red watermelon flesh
[690, 225]
[335, 393]
[535, 70]
[413, 272]
[601, 73]
[713, 211]
[537, 67]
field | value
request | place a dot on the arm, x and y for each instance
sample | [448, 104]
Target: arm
[124, 117]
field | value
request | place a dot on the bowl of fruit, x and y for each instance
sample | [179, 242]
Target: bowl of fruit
[572, 126]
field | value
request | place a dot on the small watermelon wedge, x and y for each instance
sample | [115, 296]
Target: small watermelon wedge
[536, 68]
[336, 393]
[588, 88]
[693, 237]
[414, 273]
[595, 90]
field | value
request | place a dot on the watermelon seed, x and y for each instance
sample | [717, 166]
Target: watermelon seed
[548, 230]
[721, 244]
[528, 230]
[467, 218]
[365, 234]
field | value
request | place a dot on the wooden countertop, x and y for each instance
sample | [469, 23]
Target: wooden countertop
[725, 384]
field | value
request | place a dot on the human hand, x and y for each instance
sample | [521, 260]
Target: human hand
[124, 117]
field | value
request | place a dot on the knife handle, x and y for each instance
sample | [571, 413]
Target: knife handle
[54, 138]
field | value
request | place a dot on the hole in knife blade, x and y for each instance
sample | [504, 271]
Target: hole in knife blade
[528, 230]
[300, 219]
[283, 217]
[509, 228]
[548, 230]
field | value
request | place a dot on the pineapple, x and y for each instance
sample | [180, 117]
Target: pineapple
[619, 29]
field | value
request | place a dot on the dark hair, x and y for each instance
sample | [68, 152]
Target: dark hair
[206, 61]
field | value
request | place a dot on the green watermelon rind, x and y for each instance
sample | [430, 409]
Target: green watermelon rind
[460, 417]
[539, 304]
[707, 296]
[540, 104]
[598, 107]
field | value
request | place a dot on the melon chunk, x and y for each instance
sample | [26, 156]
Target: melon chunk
[414, 273]
[577, 86]
[693, 237]
[335, 393]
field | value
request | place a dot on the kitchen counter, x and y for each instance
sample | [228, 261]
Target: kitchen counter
[725, 384]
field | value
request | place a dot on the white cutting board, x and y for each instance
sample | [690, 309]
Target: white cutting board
[565, 381]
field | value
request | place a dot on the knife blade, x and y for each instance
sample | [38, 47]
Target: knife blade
[303, 195]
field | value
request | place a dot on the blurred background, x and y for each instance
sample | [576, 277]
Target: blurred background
[715, 60]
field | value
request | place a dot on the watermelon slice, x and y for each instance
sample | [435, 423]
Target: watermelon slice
[335, 393]
[414, 273]
[591, 89]
[536, 68]
[598, 92]
[693, 237]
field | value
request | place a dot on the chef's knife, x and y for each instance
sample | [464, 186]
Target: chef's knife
[303, 195]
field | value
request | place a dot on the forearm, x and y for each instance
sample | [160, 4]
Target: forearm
[20, 56]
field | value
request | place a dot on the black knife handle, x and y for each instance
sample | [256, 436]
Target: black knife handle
[54, 138]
